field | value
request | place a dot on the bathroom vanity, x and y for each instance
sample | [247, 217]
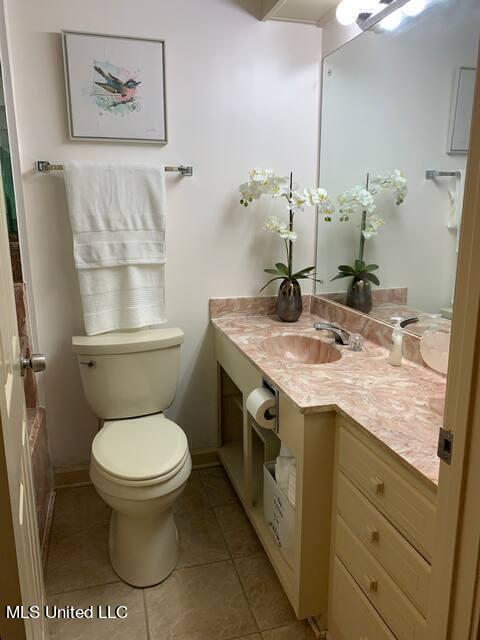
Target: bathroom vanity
[364, 438]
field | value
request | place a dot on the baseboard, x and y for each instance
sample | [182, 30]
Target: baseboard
[78, 476]
[203, 458]
[75, 476]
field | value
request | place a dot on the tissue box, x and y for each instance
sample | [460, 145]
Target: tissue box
[279, 513]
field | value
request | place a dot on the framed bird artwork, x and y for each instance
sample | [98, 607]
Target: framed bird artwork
[115, 87]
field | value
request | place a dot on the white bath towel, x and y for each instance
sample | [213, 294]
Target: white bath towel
[117, 213]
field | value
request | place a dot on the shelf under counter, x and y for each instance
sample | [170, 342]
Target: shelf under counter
[232, 458]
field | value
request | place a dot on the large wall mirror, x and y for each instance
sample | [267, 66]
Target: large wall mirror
[401, 100]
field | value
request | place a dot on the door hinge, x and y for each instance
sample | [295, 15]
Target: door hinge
[445, 445]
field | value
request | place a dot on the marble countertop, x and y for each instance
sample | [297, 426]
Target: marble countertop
[391, 403]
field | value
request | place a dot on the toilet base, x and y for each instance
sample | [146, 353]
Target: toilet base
[143, 550]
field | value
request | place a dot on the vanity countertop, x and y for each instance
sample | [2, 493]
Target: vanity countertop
[390, 403]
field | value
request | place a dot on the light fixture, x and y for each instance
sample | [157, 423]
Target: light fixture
[392, 21]
[414, 7]
[347, 12]
[364, 12]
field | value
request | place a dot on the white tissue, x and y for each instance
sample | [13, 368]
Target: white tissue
[282, 471]
[261, 406]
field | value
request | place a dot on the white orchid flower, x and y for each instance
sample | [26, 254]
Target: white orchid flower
[287, 234]
[372, 225]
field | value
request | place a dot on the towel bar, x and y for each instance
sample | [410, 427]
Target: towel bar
[44, 166]
[431, 174]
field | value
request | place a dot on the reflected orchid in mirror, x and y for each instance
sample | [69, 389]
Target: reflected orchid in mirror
[362, 200]
[266, 182]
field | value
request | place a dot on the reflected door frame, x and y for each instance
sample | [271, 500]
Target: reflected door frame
[454, 610]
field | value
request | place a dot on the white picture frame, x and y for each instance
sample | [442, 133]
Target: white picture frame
[115, 87]
[458, 140]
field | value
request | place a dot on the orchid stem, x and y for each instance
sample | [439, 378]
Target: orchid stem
[364, 224]
[290, 243]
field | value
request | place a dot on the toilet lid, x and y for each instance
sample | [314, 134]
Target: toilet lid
[140, 448]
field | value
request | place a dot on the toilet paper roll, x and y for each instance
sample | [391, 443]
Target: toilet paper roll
[261, 406]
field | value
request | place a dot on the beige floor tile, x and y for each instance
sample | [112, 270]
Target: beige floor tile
[218, 487]
[267, 599]
[201, 540]
[77, 509]
[194, 497]
[239, 534]
[118, 594]
[296, 631]
[79, 560]
[199, 603]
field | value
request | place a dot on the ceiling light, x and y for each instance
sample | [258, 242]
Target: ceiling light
[414, 7]
[347, 12]
[392, 21]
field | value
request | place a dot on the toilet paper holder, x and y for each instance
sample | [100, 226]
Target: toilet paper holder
[269, 385]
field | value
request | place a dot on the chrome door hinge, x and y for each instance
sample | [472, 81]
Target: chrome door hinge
[445, 445]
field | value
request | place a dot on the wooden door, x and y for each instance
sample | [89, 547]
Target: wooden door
[21, 575]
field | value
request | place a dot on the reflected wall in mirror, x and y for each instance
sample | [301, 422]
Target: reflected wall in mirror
[401, 100]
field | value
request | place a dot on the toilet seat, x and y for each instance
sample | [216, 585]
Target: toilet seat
[146, 450]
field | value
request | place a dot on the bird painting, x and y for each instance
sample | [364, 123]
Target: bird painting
[121, 92]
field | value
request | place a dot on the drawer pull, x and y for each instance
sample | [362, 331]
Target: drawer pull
[373, 534]
[371, 584]
[377, 484]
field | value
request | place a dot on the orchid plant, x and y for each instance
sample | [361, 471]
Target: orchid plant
[266, 182]
[360, 199]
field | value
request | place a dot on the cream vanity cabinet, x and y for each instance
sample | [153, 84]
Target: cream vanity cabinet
[244, 448]
[383, 530]
[364, 523]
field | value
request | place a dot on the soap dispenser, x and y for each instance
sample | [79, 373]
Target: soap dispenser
[396, 351]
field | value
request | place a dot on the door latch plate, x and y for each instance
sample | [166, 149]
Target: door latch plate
[445, 445]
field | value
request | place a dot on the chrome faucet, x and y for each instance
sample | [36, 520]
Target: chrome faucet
[341, 336]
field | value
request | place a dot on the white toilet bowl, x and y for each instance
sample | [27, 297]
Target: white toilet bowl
[139, 467]
[140, 460]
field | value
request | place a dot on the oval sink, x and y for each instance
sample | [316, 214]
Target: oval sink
[301, 349]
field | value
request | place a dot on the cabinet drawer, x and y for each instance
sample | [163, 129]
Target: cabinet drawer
[352, 617]
[396, 610]
[399, 500]
[395, 554]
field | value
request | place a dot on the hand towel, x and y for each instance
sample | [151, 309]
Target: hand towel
[117, 214]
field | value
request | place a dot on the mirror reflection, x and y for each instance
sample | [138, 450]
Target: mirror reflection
[396, 113]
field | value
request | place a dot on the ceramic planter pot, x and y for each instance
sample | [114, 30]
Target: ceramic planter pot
[359, 295]
[289, 301]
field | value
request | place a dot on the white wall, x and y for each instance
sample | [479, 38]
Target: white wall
[241, 93]
[386, 105]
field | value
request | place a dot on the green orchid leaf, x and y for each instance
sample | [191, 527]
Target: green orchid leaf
[372, 277]
[282, 268]
[274, 272]
[270, 281]
[342, 275]
[360, 266]
[371, 267]
[307, 270]
[346, 269]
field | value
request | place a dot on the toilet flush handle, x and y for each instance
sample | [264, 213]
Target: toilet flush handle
[91, 364]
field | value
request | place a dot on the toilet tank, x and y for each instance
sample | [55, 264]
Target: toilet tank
[129, 374]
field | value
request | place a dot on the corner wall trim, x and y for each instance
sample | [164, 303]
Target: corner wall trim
[78, 476]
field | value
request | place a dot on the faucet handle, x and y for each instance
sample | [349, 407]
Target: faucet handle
[356, 342]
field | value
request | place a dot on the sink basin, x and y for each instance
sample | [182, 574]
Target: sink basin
[301, 349]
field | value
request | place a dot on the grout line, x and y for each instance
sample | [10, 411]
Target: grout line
[246, 597]
[92, 586]
[147, 625]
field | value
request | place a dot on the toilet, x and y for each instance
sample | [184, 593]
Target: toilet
[140, 461]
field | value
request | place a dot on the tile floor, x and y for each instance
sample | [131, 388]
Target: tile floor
[224, 587]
